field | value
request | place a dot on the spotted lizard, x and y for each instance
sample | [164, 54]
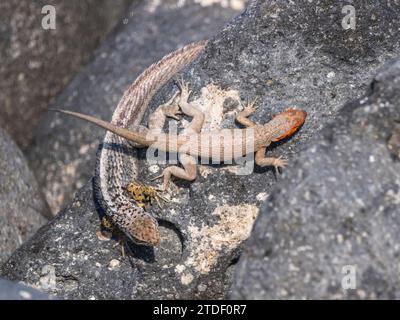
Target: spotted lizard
[116, 166]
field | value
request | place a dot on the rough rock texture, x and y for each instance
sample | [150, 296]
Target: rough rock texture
[275, 51]
[63, 153]
[66, 258]
[338, 206]
[22, 206]
[36, 63]
[14, 291]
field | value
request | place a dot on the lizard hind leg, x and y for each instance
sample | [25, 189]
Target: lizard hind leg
[263, 161]
[107, 230]
[159, 116]
[188, 172]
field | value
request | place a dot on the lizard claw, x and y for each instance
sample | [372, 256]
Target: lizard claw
[157, 177]
[280, 163]
[250, 107]
[165, 183]
[171, 108]
[184, 88]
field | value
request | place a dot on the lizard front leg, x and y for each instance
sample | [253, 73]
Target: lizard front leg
[242, 117]
[188, 172]
[198, 117]
[263, 161]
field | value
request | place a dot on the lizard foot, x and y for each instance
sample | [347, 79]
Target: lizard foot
[171, 108]
[173, 111]
[166, 175]
[106, 231]
[165, 184]
[103, 235]
[250, 107]
[279, 163]
[184, 88]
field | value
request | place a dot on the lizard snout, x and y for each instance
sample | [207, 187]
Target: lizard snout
[144, 230]
[298, 117]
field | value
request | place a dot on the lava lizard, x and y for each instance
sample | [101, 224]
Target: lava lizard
[116, 167]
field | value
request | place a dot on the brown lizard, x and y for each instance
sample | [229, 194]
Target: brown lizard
[116, 168]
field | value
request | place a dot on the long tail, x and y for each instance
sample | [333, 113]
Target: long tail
[137, 137]
[133, 104]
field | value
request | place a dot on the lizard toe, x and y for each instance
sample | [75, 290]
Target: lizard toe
[280, 163]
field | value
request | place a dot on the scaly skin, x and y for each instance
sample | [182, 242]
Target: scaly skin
[117, 166]
[116, 163]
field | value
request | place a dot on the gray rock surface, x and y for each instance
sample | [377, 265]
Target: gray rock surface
[36, 63]
[15, 291]
[63, 151]
[22, 206]
[284, 53]
[66, 258]
[337, 207]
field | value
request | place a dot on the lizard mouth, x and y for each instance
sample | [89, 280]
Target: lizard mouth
[148, 242]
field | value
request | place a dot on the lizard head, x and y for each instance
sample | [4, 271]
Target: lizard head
[286, 123]
[143, 230]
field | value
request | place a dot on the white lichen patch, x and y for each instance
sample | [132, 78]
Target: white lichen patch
[331, 75]
[186, 278]
[205, 171]
[262, 196]
[172, 212]
[154, 168]
[47, 281]
[393, 197]
[211, 102]
[234, 226]
[179, 268]
[113, 264]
